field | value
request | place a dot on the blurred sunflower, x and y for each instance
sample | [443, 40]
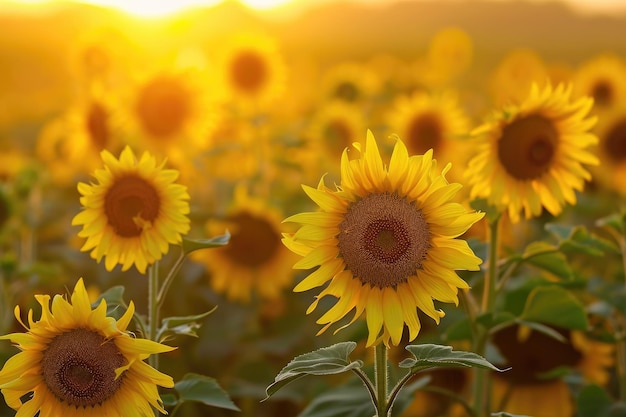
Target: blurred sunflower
[252, 70]
[601, 78]
[254, 261]
[384, 242]
[611, 130]
[79, 362]
[133, 212]
[427, 121]
[527, 388]
[349, 81]
[449, 55]
[533, 154]
[71, 144]
[515, 74]
[170, 112]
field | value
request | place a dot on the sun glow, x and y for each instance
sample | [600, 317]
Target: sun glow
[151, 8]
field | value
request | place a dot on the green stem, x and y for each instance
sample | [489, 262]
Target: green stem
[167, 282]
[621, 336]
[153, 310]
[368, 384]
[381, 378]
[482, 398]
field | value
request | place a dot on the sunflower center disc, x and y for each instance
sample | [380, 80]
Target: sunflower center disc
[383, 239]
[248, 71]
[98, 125]
[128, 200]
[79, 367]
[424, 133]
[527, 147]
[615, 142]
[254, 241]
[602, 93]
[163, 106]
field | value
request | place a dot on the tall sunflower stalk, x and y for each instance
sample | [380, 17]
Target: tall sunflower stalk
[385, 244]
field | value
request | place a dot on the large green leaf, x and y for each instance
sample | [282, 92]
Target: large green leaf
[203, 389]
[556, 306]
[577, 239]
[547, 257]
[183, 325]
[505, 414]
[593, 401]
[325, 361]
[190, 245]
[438, 356]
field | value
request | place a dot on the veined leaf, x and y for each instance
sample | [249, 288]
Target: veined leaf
[185, 325]
[325, 361]
[547, 257]
[438, 356]
[203, 389]
[190, 245]
[556, 306]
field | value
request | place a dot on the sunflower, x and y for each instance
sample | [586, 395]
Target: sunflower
[349, 81]
[254, 261]
[527, 387]
[533, 154]
[169, 111]
[78, 362]
[515, 74]
[384, 242]
[252, 69]
[611, 130]
[449, 55]
[132, 212]
[427, 121]
[601, 78]
[71, 144]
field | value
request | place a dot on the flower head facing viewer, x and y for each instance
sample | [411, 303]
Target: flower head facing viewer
[385, 242]
[133, 212]
[533, 155]
[79, 362]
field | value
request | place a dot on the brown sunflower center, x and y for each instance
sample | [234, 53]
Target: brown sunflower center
[163, 106]
[337, 135]
[130, 204]
[602, 93]
[347, 91]
[249, 71]
[254, 242]
[79, 367]
[424, 132]
[535, 356]
[615, 142]
[527, 147]
[383, 239]
[97, 125]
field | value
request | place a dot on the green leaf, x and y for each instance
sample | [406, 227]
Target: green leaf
[114, 296]
[203, 389]
[190, 245]
[184, 325]
[325, 361]
[556, 306]
[593, 401]
[491, 212]
[547, 257]
[616, 222]
[439, 356]
[577, 239]
[169, 400]
[345, 401]
[504, 414]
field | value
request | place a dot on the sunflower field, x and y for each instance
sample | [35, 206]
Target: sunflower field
[320, 209]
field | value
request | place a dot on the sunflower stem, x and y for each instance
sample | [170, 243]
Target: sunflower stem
[482, 399]
[169, 278]
[381, 379]
[153, 308]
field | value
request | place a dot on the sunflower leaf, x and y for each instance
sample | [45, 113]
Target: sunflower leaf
[325, 361]
[504, 414]
[593, 401]
[203, 389]
[547, 257]
[190, 245]
[556, 306]
[185, 325]
[438, 356]
[577, 239]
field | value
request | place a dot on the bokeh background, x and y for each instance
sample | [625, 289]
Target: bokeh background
[72, 80]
